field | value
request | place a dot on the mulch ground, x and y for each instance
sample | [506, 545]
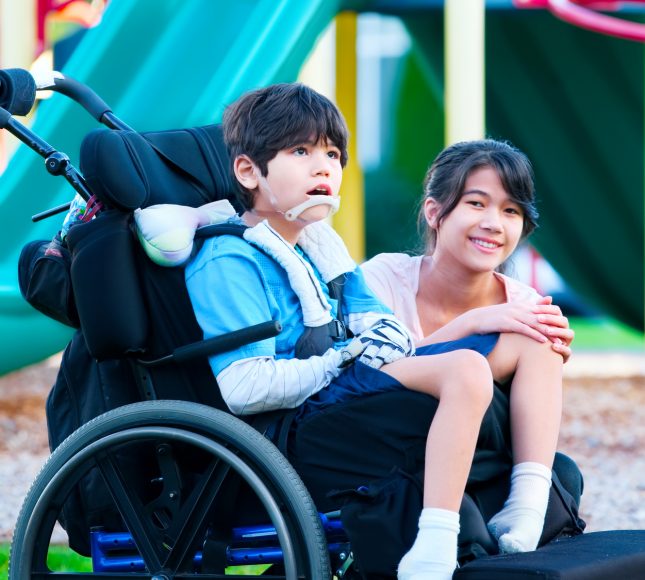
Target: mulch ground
[602, 429]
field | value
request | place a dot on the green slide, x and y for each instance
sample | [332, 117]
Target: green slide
[158, 65]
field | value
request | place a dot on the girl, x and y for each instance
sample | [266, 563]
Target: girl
[478, 205]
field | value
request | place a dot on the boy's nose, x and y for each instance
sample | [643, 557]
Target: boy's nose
[321, 165]
[323, 171]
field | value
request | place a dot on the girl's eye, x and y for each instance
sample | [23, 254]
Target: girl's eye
[333, 154]
[300, 151]
[513, 211]
[475, 203]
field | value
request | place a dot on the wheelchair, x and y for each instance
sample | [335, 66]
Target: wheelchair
[184, 486]
[150, 475]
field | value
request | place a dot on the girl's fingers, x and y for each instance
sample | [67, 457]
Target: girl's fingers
[547, 309]
[566, 335]
[533, 332]
[553, 320]
[562, 349]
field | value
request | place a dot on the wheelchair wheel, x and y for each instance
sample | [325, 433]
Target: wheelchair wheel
[170, 519]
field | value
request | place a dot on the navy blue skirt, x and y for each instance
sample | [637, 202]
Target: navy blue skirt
[360, 380]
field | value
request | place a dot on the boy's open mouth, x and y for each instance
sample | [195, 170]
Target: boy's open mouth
[320, 190]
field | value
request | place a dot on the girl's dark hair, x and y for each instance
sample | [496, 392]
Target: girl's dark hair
[446, 179]
[263, 122]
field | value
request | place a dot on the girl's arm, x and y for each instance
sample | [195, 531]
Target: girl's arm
[541, 321]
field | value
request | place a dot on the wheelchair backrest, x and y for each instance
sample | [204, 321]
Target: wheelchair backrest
[127, 305]
[128, 170]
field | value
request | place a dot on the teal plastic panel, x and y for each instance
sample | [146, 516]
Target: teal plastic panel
[573, 101]
[159, 65]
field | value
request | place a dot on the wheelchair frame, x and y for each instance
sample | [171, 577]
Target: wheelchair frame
[165, 536]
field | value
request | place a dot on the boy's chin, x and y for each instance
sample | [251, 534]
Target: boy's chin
[315, 214]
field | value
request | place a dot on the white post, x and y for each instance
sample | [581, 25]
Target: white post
[17, 33]
[17, 46]
[464, 23]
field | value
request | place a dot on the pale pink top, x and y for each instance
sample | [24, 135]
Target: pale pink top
[394, 278]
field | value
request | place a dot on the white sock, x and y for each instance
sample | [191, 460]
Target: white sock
[518, 526]
[433, 556]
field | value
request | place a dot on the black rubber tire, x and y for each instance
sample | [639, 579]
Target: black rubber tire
[190, 422]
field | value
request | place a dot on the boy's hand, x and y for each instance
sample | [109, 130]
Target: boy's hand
[384, 343]
[350, 352]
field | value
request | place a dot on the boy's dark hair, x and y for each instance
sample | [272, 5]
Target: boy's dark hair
[446, 179]
[263, 122]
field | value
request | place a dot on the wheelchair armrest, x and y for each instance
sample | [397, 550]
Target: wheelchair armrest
[218, 344]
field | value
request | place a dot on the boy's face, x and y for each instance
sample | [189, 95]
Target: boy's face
[296, 174]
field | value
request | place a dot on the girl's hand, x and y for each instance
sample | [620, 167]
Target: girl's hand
[557, 331]
[542, 322]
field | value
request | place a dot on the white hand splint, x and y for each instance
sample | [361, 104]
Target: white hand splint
[385, 342]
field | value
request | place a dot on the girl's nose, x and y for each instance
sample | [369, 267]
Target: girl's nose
[491, 222]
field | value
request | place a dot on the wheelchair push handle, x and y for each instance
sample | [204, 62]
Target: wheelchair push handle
[17, 91]
[83, 95]
[17, 97]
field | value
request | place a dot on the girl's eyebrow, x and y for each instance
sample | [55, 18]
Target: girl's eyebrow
[479, 191]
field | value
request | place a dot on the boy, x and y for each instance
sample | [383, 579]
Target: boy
[287, 146]
[289, 176]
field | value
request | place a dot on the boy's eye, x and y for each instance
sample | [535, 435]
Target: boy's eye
[333, 154]
[300, 151]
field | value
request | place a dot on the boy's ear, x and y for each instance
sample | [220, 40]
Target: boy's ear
[431, 212]
[246, 172]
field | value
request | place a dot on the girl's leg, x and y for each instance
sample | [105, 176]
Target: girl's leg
[462, 382]
[536, 408]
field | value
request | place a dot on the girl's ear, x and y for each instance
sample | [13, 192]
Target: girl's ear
[246, 172]
[431, 212]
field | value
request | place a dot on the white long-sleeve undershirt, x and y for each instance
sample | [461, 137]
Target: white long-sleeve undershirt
[260, 384]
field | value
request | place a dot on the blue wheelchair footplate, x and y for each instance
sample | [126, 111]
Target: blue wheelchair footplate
[250, 545]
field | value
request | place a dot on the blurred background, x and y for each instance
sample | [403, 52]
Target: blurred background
[562, 80]
[410, 77]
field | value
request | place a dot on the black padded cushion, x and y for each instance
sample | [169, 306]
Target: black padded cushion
[128, 170]
[619, 555]
[107, 284]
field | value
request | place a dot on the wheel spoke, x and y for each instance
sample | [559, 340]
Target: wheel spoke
[130, 507]
[193, 516]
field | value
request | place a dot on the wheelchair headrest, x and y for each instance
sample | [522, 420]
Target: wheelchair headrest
[128, 170]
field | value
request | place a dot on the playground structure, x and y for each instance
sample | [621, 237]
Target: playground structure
[571, 98]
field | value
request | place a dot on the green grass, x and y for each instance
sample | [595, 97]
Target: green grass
[605, 334]
[62, 559]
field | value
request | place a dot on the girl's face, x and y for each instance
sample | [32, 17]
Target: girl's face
[484, 227]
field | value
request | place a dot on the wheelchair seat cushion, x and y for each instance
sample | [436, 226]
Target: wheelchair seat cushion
[128, 170]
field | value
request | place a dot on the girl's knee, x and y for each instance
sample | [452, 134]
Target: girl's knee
[516, 350]
[525, 346]
[472, 379]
